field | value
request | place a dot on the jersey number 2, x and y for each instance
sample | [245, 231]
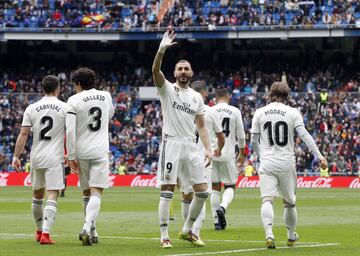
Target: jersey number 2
[50, 123]
[96, 114]
[279, 141]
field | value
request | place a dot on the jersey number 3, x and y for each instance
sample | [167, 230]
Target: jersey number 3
[96, 114]
[279, 141]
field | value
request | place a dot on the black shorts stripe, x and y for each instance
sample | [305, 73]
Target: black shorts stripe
[71, 113]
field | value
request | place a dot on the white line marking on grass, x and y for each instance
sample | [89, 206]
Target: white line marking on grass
[253, 249]
[18, 235]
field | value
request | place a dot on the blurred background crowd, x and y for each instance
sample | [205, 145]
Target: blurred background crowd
[149, 14]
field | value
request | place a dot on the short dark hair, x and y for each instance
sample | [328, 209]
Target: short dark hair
[50, 84]
[84, 76]
[198, 85]
[279, 91]
[221, 92]
[182, 61]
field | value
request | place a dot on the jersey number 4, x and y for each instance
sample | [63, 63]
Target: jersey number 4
[49, 122]
[226, 126]
[96, 114]
[281, 141]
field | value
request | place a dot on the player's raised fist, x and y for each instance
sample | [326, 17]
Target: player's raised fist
[323, 163]
[167, 41]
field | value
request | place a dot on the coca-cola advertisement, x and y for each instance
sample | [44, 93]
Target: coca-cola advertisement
[24, 179]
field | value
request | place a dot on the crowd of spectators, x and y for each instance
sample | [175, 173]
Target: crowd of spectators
[143, 14]
[136, 127]
[77, 14]
[293, 13]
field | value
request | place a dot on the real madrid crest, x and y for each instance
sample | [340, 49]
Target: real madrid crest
[194, 100]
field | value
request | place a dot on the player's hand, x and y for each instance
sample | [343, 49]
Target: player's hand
[74, 166]
[66, 160]
[16, 164]
[217, 152]
[208, 158]
[167, 41]
[240, 159]
[323, 163]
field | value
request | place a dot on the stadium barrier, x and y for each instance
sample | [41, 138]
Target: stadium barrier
[24, 179]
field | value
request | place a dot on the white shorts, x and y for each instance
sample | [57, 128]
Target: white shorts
[94, 173]
[189, 189]
[278, 183]
[48, 178]
[179, 160]
[225, 172]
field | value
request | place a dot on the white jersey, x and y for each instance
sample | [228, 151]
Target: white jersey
[47, 119]
[93, 110]
[233, 129]
[276, 123]
[179, 108]
[213, 126]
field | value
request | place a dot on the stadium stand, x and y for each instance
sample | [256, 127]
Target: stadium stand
[144, 14]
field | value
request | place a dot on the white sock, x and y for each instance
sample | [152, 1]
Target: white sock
[227, 197]
[199, 222]
[185, 205]
[50, 213]
[290, 218]
[215, 203]
[195, 208]
[164, 213]
[85, 203]
[267, 217]
[92, 211]
[37, 208]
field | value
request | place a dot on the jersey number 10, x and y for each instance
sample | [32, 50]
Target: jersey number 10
[279, 141]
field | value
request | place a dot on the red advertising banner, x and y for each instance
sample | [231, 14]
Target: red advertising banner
[24, 179]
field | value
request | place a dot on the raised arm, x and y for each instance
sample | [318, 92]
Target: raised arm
[166, 42]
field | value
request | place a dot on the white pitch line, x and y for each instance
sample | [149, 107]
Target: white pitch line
[252, 249]
[10, 235]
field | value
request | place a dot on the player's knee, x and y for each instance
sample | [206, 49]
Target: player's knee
[216, 186]
[288, 204]
[200, 187]
[230, 186]
[269, 199]
[39, 193]
[168, 188]
[202, 195]
[187, 197]
[86, 192]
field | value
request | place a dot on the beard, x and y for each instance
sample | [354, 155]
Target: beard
[183, 80]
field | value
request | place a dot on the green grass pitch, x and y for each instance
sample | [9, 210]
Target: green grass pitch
[329, 224]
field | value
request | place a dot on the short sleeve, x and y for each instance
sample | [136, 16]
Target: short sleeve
[255, 126]
[216, 124]
[71, 106]
[298, 120]
[201, 108]
[111, 106]
[27, 117]
[163, 89]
